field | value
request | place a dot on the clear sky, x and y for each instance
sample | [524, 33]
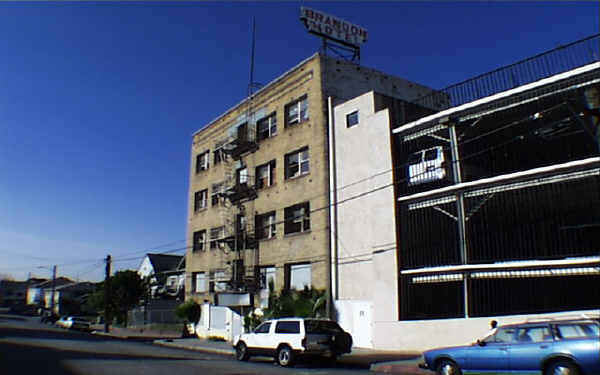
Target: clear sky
[98, 102]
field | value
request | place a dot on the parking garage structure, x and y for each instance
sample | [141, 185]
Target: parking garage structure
[498, 196]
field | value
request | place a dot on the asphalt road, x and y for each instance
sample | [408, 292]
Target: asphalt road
[29, 347]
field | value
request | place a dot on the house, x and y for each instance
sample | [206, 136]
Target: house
[258, 203]
[162, 270]
[12, 293]
[488, 209]
[35, 291]
[69, 299]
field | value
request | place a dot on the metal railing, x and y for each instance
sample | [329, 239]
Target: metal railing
[543, 65]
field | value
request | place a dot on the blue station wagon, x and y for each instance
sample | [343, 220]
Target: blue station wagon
[545, 347]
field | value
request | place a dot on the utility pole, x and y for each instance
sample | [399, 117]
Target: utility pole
[53, 290]
[107, 294]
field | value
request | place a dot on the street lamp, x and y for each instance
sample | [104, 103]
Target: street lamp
[53, 286]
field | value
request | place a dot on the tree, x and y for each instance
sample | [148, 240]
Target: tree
[127, 288]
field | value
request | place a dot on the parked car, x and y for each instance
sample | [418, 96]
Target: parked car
[61, 322]
[290, 338]
[548, 347]
[73, 322]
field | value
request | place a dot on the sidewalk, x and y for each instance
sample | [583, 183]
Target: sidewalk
[393, 362]
[397, 362]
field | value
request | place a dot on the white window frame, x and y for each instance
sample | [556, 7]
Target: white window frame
[302, 157]
[303, 273]
[269, 178]
[300, 109]
[202, 161]
[202, 242]
[199, 282]
[202, 203]
[213, 244]
[215, 190]
[271, 123]
[269, 225]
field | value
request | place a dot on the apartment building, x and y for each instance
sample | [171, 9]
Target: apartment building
[259, 193]
[488, 209]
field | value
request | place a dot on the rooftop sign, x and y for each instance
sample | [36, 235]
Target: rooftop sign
[332, 27]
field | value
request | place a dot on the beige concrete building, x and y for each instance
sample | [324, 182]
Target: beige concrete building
[259, 193]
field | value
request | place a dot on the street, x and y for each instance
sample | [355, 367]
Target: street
[29, 347]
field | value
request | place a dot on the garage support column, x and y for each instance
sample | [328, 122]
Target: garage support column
[460, 210]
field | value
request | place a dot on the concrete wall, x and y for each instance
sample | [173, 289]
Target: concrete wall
[422, 335]
[366, 237]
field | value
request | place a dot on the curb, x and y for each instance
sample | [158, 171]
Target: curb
[203, 349]
[398, 368]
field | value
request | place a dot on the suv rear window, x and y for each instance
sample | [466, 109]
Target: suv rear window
[321, 326]
[287, 327]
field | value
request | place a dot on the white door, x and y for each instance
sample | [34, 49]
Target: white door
[362, 325]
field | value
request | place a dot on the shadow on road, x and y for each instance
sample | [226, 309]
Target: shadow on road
[20, 358]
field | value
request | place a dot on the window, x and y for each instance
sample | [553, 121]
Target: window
[267, 127]
[265, 226]
[215, 191]
[504, 335]
[534, 334]
[219, 154]
[242, 176]
[198, 282]
[297, 218]
[298, 276]
[215, 235]
[578, 330]
[352, 119]
[297, 163]
[218, 281]
[263, 328]
[202, 161]
[296, 111]
[265, 175]
[287, 327]
[266, 277]
[200, 200]
[199, 241]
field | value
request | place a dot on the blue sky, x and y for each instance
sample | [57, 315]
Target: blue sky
[99, 101]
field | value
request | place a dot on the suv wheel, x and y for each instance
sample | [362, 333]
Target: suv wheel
[241, 352]
[562, 368]
[285, 356]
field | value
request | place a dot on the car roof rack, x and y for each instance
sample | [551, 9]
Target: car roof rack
[582, 316]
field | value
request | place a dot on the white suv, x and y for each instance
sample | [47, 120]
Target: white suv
[286, 339]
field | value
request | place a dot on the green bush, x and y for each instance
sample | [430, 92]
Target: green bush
[189, 310]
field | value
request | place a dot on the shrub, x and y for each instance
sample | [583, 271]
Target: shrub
[189, 310]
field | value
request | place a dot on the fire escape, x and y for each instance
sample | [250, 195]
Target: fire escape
[237, 193]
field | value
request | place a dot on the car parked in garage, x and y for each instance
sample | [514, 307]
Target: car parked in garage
[287, 339]
[548, 347]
